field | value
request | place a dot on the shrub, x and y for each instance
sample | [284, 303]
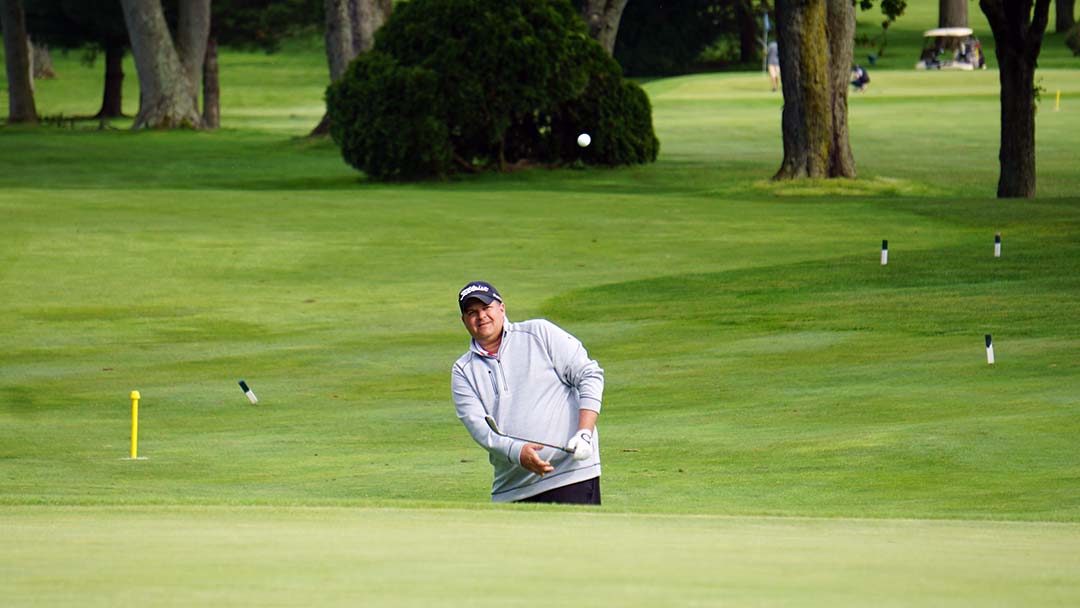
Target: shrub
[474, 84]
[380, 117]
[615, 113]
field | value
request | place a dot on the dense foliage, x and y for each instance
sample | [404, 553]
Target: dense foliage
[667, 38]
[657, 38]
[466, 85]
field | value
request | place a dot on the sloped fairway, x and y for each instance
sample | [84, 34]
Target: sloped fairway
[786, 421]
[494, 557]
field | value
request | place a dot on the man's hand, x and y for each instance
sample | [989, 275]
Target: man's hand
[581, 444]
[532, 461]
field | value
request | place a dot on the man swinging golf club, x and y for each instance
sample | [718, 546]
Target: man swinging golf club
[529, 394]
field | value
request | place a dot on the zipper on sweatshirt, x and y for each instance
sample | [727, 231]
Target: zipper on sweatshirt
[502, 372]
[494, 383]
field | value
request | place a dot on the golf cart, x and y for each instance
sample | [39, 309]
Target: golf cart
[951, 48]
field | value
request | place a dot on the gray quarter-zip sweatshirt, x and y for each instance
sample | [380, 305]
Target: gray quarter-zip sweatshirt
[533, 387]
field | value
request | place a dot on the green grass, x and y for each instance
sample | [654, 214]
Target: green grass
[346, 557]
[786, 421]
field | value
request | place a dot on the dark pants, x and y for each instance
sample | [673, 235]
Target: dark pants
[581, 493]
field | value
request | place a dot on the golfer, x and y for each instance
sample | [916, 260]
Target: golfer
[539, 384]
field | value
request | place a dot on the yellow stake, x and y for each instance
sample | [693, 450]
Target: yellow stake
[1057, 101]
[134, 425]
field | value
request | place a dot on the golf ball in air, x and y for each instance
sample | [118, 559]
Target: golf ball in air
[584, 140]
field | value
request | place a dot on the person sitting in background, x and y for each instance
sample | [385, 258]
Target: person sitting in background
[860, 79]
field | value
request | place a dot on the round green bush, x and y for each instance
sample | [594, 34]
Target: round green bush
[380, 118]
[616, 114]
[477, 84]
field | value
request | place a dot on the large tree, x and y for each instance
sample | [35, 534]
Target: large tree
[350, 30]
[20, 87]
[602, 17]
[816, 39]
[170, 73]
[952, 13]
[1018, 27]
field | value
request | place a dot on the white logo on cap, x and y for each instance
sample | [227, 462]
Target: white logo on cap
[472, 289]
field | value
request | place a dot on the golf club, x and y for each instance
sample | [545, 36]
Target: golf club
[495, 429]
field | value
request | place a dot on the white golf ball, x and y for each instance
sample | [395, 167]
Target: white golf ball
[584, 140]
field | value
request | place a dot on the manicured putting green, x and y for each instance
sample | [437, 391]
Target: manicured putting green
[499, 557]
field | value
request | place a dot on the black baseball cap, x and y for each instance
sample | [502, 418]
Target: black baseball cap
[479, 290]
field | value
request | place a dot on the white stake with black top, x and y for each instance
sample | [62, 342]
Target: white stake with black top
[247, 391]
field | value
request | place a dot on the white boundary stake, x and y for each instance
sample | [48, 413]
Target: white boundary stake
[989, 350]
[247, 391]
[884, 252]
[997, 245]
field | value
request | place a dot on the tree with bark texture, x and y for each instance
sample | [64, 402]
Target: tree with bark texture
[170, 73]
[350, 30]
[1018, 27]
[602, 17]
[21, 108]
[816, 40]
[952, 13]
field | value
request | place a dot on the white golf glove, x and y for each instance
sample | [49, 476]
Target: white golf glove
[582, 444]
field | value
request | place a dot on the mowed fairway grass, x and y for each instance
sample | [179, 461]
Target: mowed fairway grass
[787, 421]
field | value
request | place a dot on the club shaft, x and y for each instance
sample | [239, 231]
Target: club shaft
[495, 429]
[557, 447]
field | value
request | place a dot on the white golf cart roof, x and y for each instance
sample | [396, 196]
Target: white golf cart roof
[950, 32]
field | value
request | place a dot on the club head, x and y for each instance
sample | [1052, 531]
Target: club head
[491, 424]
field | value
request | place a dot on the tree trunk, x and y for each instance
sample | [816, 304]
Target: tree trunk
[192, 35]
[367, 17]
[21, 107]
[1064, 11]
[952, 13]
[1017, 153]
[602, 17]
[350, 30]
[804, 78]
[841, 32]
[211, 87]
[1018, 35]
[113, 96]
[168, 94]
[30, 61]
[339, 37]
[815, 39]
